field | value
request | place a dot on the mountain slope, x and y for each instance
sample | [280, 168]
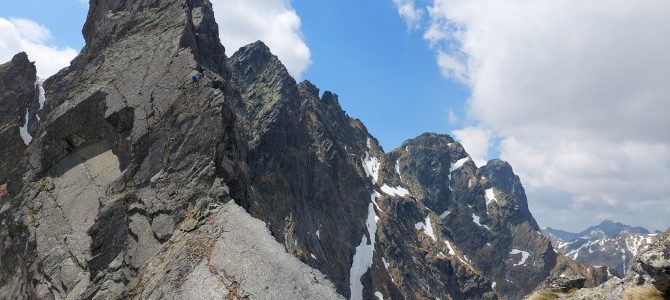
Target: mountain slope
[608, 244]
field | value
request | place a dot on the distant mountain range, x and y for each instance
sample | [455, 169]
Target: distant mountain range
[609, 243]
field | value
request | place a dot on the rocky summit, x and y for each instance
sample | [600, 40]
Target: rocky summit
[121, 179]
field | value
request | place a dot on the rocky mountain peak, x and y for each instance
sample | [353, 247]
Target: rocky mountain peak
[430, 140]
[612, 229]
[191, 25]
[18, 87]
[255, 60]
[330, 98]
[308, 89]
[21, 59]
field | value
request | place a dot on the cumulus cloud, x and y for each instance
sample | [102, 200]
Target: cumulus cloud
[410, 13]
[476, 141]
[18, 35]
[274, 22]
[578, 93]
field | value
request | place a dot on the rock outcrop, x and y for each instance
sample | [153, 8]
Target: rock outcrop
[18, 106]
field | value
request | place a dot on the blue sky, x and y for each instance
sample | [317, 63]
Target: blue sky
[383, 73]
[64, 18]
[546, 85]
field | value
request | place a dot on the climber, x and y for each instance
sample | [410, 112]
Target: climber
[194, 81]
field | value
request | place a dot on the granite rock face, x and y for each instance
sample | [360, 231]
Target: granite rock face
[137, 184]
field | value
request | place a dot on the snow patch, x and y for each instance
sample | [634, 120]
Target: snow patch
[369, 144]
[427, 228]
[386, 266]
[363, 257]
[379, 295]
[371, 166]
[313, 257]
[490, 197]
[397, 169]
[623, 259]
[318, 235]
[493, 285]
[459, 163]
[373, 197]
[23, 131]
[637, 242]
[395, 191]
[524, 256]
[444, 214]
[451, 250]
[418, 226]
[42, 98]
[475, 218]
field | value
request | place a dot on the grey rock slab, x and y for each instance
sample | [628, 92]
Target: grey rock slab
[260, 264]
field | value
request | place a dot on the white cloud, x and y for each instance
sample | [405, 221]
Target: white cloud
[452, 67]
[410, 13]
[274, 22]
[18, 35]
[578, 92]
[476, 141]
[452, 118]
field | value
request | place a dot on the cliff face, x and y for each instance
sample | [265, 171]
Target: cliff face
[137, 184]
[18, 104]
[304, 157]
